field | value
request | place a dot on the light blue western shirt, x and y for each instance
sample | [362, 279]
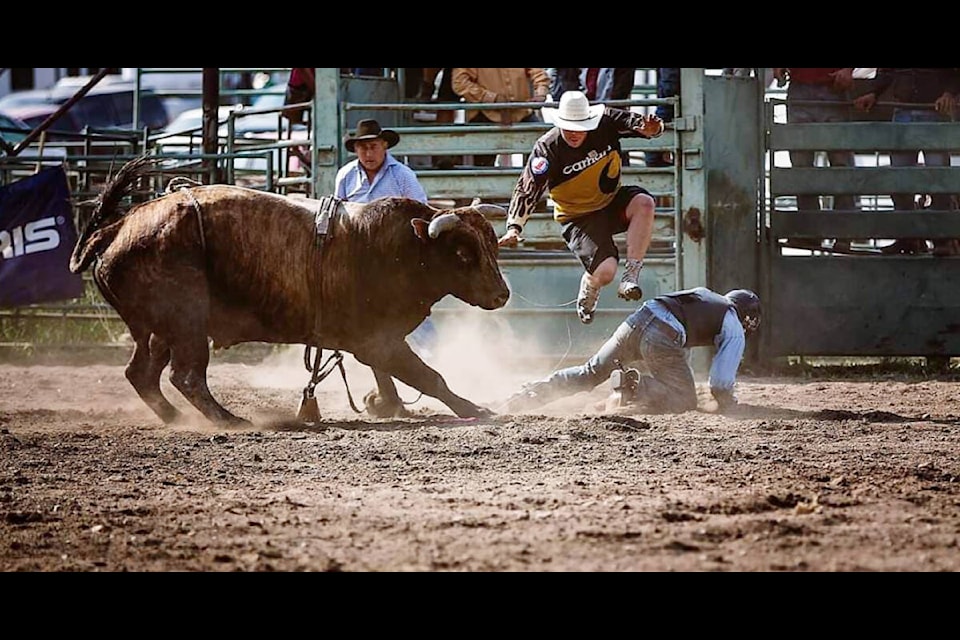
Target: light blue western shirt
[393, 179]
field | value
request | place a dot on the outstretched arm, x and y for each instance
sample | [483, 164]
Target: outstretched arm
[730, 343]
[530, 187]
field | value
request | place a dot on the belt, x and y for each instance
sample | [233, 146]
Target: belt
[647, 317]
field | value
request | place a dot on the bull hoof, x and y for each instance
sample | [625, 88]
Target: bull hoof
[378, 407]
[476, 412]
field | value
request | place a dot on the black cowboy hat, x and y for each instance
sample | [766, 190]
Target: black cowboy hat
[368, 130]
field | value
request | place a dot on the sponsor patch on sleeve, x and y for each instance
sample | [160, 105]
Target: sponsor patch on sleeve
[539, 165]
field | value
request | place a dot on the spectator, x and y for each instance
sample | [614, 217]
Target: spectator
[863, 82]
[598, 83]
[624, 79]
[444, 91]
[660, 333]
[828, 86]
[614, 84]
[565, 79]
[939, 87]
[375, 173]
[413, 83]
[430, 91]
[300, 88]
[500, 84]
[668, 86]
[578, 162]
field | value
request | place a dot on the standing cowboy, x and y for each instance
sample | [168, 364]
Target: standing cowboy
[375, 173]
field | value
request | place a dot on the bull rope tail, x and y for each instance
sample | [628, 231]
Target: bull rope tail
[318, 373]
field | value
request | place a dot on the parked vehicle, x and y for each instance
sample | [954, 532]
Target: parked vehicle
[108, 105]
[12, 129]
[191, 121]
[184, 134]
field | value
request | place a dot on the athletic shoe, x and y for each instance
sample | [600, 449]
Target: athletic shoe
[630, 282]
[587, 300]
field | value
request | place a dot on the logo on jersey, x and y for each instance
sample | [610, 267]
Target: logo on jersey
[593, 157]
[539, 166]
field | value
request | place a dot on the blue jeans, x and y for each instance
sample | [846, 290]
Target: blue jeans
[423, 339]
[905, 201]
[806, 113]
[669, 387]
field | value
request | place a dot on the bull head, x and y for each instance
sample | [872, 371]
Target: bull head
[431, 230]
[448, 221]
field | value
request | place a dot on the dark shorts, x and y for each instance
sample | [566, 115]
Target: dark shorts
[590, 237]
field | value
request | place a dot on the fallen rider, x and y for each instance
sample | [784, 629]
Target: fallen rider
[660, 333]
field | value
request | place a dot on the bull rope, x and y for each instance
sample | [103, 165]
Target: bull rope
[184, 184]
[318, 373]
[552, 306]
[322, 219]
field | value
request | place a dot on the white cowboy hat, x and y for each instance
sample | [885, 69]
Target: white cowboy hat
[575, 112]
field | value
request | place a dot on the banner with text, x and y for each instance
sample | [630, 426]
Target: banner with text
[37, 236]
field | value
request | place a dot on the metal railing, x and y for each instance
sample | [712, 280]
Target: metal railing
[93, 156]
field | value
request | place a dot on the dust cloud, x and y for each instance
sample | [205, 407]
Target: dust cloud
[475, 352]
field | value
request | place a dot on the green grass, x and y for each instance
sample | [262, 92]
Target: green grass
[87, 320]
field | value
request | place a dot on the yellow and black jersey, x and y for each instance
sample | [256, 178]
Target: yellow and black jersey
[580, 181]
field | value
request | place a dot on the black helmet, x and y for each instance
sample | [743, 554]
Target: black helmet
[748, 308]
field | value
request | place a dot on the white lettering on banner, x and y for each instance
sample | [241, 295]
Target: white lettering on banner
[33, 237]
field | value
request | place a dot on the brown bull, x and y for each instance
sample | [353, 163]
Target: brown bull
[237, 265]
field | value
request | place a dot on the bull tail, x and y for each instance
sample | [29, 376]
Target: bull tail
[108, 210]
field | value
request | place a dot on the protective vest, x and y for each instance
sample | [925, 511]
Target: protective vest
[701, 312]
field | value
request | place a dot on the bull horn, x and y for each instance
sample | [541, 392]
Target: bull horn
[442, 223]
[489, 210]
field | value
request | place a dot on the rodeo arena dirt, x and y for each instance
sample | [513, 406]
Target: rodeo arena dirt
[831, 474]
[850, 472]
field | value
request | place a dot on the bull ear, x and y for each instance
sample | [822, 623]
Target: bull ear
[420, 227]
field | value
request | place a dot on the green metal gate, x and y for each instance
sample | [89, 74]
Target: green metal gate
[705, 221]
[544, 277]
[861, 303]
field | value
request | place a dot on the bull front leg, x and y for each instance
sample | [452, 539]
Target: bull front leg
[400, 362]
[384, 401]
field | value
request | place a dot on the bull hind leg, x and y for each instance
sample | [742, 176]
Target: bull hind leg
[384, 401]
[188, 373]
[150, 356]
